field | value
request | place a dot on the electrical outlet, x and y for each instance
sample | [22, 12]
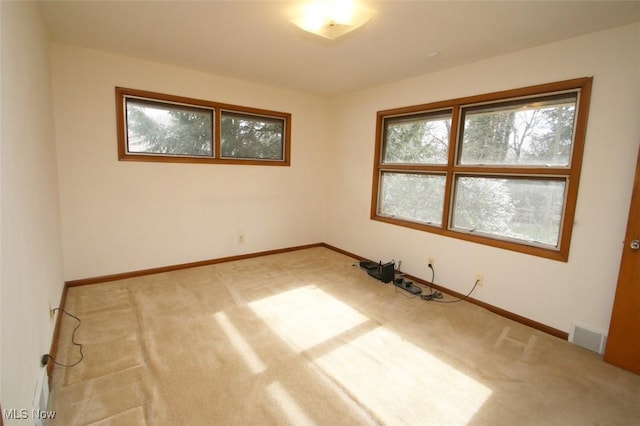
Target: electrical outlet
[432, 262]
[480, 280]
[51, 311]
[241, 239]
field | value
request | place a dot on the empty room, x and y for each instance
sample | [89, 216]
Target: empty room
[320, 212]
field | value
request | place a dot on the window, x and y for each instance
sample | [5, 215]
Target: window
[500, 169]
[252, 136]
[157, 127]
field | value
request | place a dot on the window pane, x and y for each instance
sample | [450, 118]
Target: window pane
[529, 210]
[417, 139]
[412, 196]
[252, 137]
[164, 128]
[533, 132]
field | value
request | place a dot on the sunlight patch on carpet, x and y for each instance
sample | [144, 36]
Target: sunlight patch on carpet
[399, 382]
[240, 344]
[287, 404]
[306, 316]
[417, 386]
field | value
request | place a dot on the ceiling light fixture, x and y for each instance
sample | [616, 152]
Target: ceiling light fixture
[332, 18]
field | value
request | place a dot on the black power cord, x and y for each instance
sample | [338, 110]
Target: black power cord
[432, 294]
[426, 296]
[47, 357]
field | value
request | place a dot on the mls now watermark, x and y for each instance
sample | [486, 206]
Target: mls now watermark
[23, 414]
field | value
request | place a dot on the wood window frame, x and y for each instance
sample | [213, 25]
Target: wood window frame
[453, 169]
[122, 94]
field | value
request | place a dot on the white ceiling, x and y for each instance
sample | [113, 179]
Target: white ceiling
[254, 40]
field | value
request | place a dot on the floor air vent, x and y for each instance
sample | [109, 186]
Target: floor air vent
[590, 339]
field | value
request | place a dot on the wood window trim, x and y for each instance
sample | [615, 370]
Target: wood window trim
[217, 107]
[583, 85]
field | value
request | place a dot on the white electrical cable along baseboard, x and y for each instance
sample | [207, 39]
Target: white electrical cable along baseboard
[41, 398]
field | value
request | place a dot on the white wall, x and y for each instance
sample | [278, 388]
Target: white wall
[31, 255]
[551, 292]
[125, 216]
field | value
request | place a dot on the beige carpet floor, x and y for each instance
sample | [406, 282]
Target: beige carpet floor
[304, 338]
